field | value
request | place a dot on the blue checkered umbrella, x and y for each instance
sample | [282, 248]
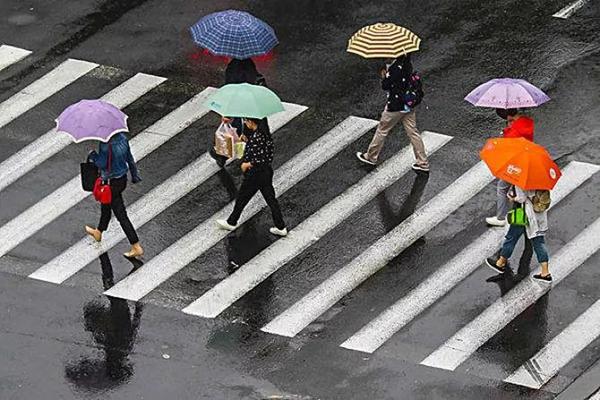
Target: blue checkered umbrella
[234, 34]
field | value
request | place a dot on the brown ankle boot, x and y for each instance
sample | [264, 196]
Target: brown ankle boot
[93, 232]
[135, 252]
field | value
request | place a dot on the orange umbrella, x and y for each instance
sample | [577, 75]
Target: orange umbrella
[520, 162]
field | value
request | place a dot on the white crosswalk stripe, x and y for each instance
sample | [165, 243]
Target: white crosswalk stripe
[595, 396]
[467, 340]
[542, 367]
[190, 247]
[55, 80]
[570, 9]
[309, 231]
[315, 303]
[149, 206]
[378, 331]
[10, 55]
[62, 199]
[51, 143]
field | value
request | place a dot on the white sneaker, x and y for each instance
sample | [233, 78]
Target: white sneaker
[419, 168]
[361, 157]
[225, 225]
[494, 221]
[279, 232]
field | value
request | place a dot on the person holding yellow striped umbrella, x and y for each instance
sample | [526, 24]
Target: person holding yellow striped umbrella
[405, 90]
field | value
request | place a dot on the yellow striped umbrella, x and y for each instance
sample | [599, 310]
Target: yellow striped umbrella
[383, 41]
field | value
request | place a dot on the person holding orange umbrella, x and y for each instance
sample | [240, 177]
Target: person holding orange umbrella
[531, 171]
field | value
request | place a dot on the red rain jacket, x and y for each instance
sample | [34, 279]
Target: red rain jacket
[521, 127]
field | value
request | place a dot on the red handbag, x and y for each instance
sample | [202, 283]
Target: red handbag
[102, 191]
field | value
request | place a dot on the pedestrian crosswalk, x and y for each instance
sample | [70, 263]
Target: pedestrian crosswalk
[320, 299]
[62, 199]
[51, 143]
[149, 206]
[186, 249]
[55, 80]
[464, 343]
[541, 366]
[372, 336]
[308, 232]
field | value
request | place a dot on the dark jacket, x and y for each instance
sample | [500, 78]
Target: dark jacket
[121, 159]
[259, 148]
[396, 82]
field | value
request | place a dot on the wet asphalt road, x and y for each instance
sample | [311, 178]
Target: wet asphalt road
[70, 341]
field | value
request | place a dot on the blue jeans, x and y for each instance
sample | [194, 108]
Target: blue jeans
[512, 237]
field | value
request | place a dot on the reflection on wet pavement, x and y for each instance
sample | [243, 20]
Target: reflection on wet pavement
[114, 330]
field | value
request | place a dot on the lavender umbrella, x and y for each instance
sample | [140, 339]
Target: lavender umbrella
[91, 120]
[507, 93]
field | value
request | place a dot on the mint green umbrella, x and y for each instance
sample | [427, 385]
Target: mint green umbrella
[244, 100]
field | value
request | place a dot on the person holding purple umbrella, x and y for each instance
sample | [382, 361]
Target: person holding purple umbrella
[114, 159]
[101, 121]
[508, 96]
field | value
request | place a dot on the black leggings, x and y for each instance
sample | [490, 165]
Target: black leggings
[257, 179]
[117, 206]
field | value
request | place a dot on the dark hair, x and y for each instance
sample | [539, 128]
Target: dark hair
[241, 71]
[262, 125]
[505, 113]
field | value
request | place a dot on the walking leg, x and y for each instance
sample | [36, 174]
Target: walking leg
[510, 241]
[525, 260]
[409, 121]
[502, 201]
[105, 214]
[268, 192]
[118, 208]
[539, 246]
[247, 190]
[386, 123]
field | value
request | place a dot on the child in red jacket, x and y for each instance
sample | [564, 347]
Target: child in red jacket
[518, 125]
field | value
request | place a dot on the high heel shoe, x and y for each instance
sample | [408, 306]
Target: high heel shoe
[135, 252]
[93, 232]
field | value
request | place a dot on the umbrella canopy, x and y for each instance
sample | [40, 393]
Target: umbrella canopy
[507, 93]
[521, 163]
[383, 41]
[234, 34]
[91, 120]
[244, 100]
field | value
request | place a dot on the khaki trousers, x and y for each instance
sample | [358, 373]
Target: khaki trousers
[389, 119]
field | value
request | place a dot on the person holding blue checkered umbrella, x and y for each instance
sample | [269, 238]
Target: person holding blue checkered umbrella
[241, 36]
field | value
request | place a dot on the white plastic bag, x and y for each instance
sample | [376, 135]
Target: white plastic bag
[225, 139]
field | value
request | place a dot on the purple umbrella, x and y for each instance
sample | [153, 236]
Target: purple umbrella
[91, 120]
[507, 93]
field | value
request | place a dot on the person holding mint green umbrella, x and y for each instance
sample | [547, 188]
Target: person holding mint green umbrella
[258, 176]
[254, 104]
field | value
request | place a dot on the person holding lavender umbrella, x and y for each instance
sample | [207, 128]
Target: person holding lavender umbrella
[101, 121]
[508, 96]
[114, 159]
